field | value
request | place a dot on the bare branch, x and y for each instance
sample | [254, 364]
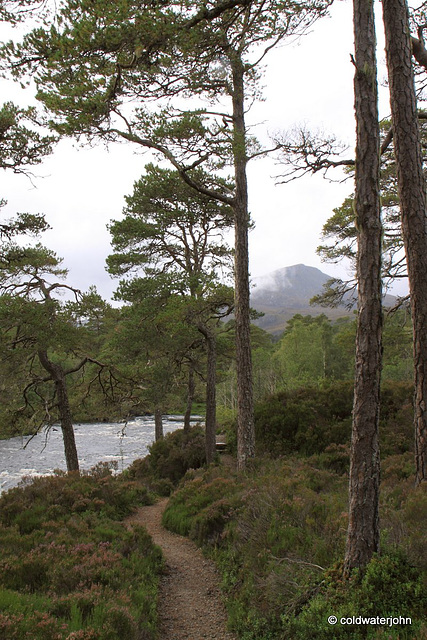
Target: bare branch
[387, 141]
[182, 171]
[263, 152]
[297, 561]
[307, 152]
[418, 47]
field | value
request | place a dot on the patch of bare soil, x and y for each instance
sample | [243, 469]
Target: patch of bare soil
[190, 604]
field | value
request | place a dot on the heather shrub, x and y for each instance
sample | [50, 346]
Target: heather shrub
[69, 568]
[390, 587]
[55, 497]
[177, 452]
[335, 457]
[271, 530]
[305, 420]
[185, 511]
[169, 459]
[207, 528]
[311, 419]
[404, 511]
[35, 626]
[396, 418]
[277, 532]
[291, 526]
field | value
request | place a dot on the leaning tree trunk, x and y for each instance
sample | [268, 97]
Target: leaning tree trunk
[245, 408]
[57, 375]
[412, 195]
[190, 398]
[363, 527]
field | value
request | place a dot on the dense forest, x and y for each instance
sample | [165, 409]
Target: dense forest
[321, 510]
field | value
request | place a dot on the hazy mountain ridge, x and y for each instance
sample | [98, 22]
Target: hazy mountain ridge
[285, 292]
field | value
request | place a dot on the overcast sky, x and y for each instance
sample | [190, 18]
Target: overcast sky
[309, 82]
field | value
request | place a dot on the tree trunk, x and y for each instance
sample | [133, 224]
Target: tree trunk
[58, 377]
[158, 424]
[210, 420]
[245, 408]
[412, 195]
[190, 398]
[363, 527]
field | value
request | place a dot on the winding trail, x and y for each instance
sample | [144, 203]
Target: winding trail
[190, 603]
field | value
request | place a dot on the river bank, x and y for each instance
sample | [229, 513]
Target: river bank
[118, 443]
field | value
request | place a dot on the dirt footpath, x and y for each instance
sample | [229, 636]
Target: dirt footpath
[190, 605]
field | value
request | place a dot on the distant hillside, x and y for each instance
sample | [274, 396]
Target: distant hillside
[287, 291]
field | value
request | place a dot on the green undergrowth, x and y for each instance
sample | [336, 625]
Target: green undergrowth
[317, 420]
[277, 533]
[69, 567]
[169, 459]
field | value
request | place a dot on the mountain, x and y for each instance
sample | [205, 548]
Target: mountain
[287, 291]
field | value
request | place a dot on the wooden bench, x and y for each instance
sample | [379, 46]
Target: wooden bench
[220, 444]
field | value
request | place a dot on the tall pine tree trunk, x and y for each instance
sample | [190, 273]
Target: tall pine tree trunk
[190, 397]
[245, 408]
[210, 420]
[412, 195]
[158, 424]
[363, 527]
[57, 375]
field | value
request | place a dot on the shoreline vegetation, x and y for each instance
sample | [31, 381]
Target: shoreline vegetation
[71, 568]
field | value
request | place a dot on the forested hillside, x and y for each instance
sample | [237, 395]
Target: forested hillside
[298, 289]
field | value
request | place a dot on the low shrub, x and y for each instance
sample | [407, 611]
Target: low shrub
[305, 420]
[309, 420]
[200, 507]
[335, 457]
[258, 526]
[389, 588]
[54, 497]
[169, 459]
[69, 568]
[277, 532]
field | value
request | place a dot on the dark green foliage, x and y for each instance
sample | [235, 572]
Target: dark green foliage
[69, 568]
[340, 233]
[179, 451]
[306, 420]
[46, 340]
[311, 420]
[335, 457]
[170, 458]
[396, 418]
[21, 145]
[171, 228]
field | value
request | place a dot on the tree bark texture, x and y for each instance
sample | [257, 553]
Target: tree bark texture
[57, 375]
[245, 406]
[412, 195]
[190, 397]
[158, 424]
[363, 527]
[210, 418]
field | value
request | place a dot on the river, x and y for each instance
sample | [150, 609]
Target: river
[115, 442]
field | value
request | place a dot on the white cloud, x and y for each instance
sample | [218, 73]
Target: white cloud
[310, 81]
